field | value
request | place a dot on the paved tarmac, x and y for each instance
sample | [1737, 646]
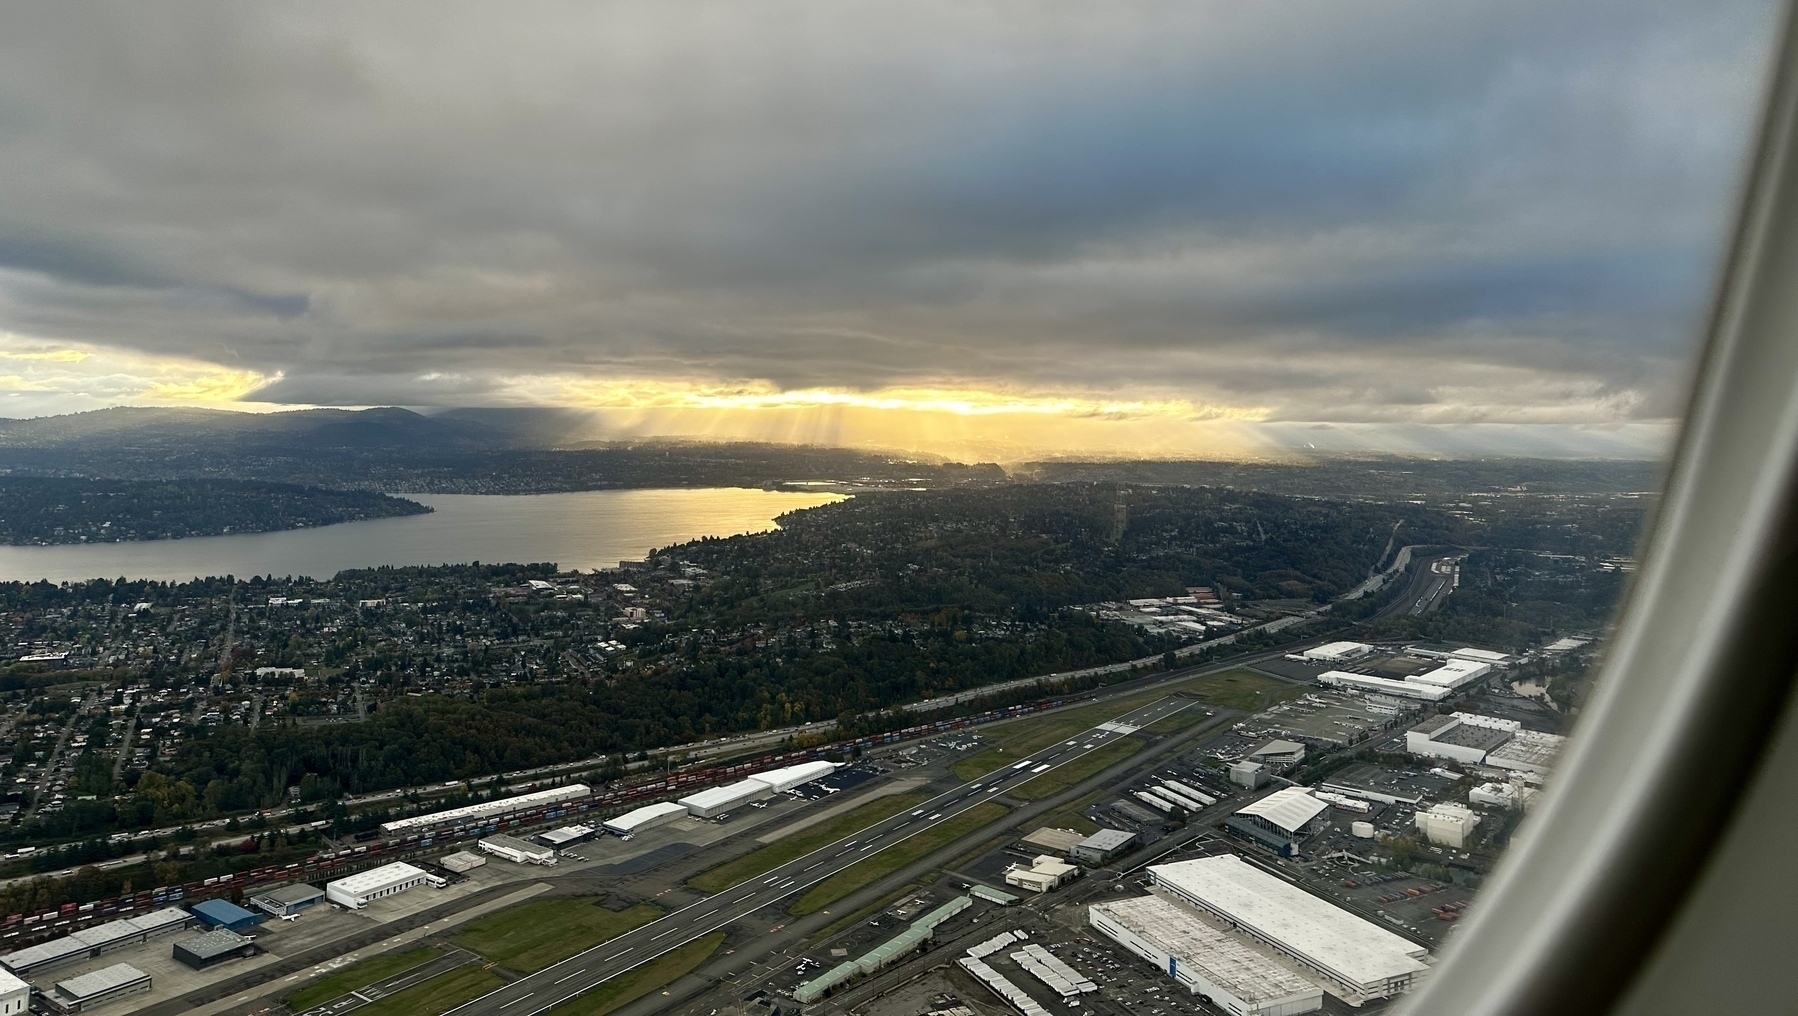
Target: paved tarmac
[553, 985]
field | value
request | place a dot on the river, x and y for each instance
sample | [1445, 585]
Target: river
[585, 530]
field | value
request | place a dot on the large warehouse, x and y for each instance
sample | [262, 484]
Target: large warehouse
[288, 900]
[1431, 686]
[358, 890]
[15, 995]
[98, 988]
[722, 800]
[647, 817]
[1353, 959]
[98, 940]
[1459, 737]
[1280, 821]
[518, 851]
[786, 778]
[485, 810]
[1337, 652]
[1206, 960]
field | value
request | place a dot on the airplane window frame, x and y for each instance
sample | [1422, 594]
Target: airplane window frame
[1698, 677]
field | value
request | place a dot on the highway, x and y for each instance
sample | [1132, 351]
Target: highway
[565, 980]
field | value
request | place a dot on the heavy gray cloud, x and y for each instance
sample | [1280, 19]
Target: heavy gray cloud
[1379, 212]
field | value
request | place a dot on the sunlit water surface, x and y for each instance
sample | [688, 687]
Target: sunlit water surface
[585, 530]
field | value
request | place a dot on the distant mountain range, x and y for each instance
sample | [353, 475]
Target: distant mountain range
[513, 451]
[459, 451]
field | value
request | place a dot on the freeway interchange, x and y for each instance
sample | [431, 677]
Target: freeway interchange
[571, 977]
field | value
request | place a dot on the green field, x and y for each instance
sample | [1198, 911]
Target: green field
[358, 975]
[633, 985]
[438, 995]
[533, 935]
[799, 844]
[1242, 689]
[1073, 814]
[885, 862]
[1068, 774]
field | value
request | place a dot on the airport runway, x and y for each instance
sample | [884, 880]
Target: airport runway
[556, 984]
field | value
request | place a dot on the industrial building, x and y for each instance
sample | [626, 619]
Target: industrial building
[225, 914]
[1192, 805]
[916, 935]
[1337, 652]
[1191, 791]
[1044, 874]
[992, 895]
[1101, 846]
[288, 900]
[15, 995]
[485, 810]
[518, 851]
[1459, 737]
[1387, 786]
[1503, 795]
[1048, 838]
[109, 984]
[1448, 824]
[461, 861]
[975, 963]
[1351, 958]
[1248, 773]
[1528, 751]
[1448, 651]
[215, 946]
[1472, 739]
[1279, 755]
[726, 799]
[787, 777]
[1055, 975]
[1280, 821]
[1430, 686]
[567, 836]
[633, 822]
[357, 891]
[89, 943]
[1206, 960]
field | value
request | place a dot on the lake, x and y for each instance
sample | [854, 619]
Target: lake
[585, 530]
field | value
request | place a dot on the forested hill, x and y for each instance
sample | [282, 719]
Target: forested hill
[1031, 548]
[47, 510]
[458, 452]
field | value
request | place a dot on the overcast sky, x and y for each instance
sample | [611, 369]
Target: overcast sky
[1002, 228]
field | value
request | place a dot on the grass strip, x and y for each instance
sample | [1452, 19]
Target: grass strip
[632, 985]
[1240, 688]
[1064, 776]
[536, 933]
[766, 859]
[1073, 814]
[358, 975]
[883, 863]
[438, 995]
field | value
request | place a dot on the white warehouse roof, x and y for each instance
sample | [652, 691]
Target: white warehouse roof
[1225, 961]
[788, 777]
[1386, 686]
[487, 809]
[1290, 808]
[729, 794]
[1333, 651]
[1355, 952]
[1453, 673]
[376, 879]
[647, 815]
